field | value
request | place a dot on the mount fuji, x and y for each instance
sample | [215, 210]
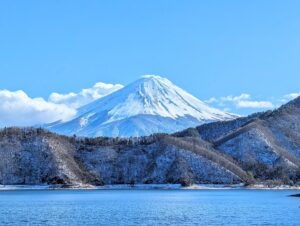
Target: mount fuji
[149, 105]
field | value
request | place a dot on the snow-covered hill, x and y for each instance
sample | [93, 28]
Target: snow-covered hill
[149, 105]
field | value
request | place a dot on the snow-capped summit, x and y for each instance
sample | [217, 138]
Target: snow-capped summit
[151, 104]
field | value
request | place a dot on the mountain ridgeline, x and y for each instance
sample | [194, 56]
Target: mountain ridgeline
[261, 148]
[149, 105]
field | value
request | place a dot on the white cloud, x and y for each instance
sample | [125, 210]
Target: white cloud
[227, 109]
[211, 100]
[243, 96]
[85, 96]
[243, 100]
[18, 109]
[254, 104]
[289, 97]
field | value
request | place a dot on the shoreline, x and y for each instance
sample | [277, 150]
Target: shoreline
[149, 187]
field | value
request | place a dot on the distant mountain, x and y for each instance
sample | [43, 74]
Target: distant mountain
[149, 105]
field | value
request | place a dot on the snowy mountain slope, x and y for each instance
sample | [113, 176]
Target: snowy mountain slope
[151, 104]
[267, 141]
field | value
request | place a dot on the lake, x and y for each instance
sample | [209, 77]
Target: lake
[149, 207]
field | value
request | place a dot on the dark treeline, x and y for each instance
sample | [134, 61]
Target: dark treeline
[28, 132]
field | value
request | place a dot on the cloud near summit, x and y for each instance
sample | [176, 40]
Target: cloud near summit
[85, 96]
[18, 109]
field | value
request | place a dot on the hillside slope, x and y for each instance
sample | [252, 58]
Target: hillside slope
[35, 156]
[265, 143]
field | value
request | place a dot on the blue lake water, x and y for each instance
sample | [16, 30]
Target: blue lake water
[149, 207]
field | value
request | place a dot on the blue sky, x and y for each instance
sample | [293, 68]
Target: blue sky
[209, 48]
